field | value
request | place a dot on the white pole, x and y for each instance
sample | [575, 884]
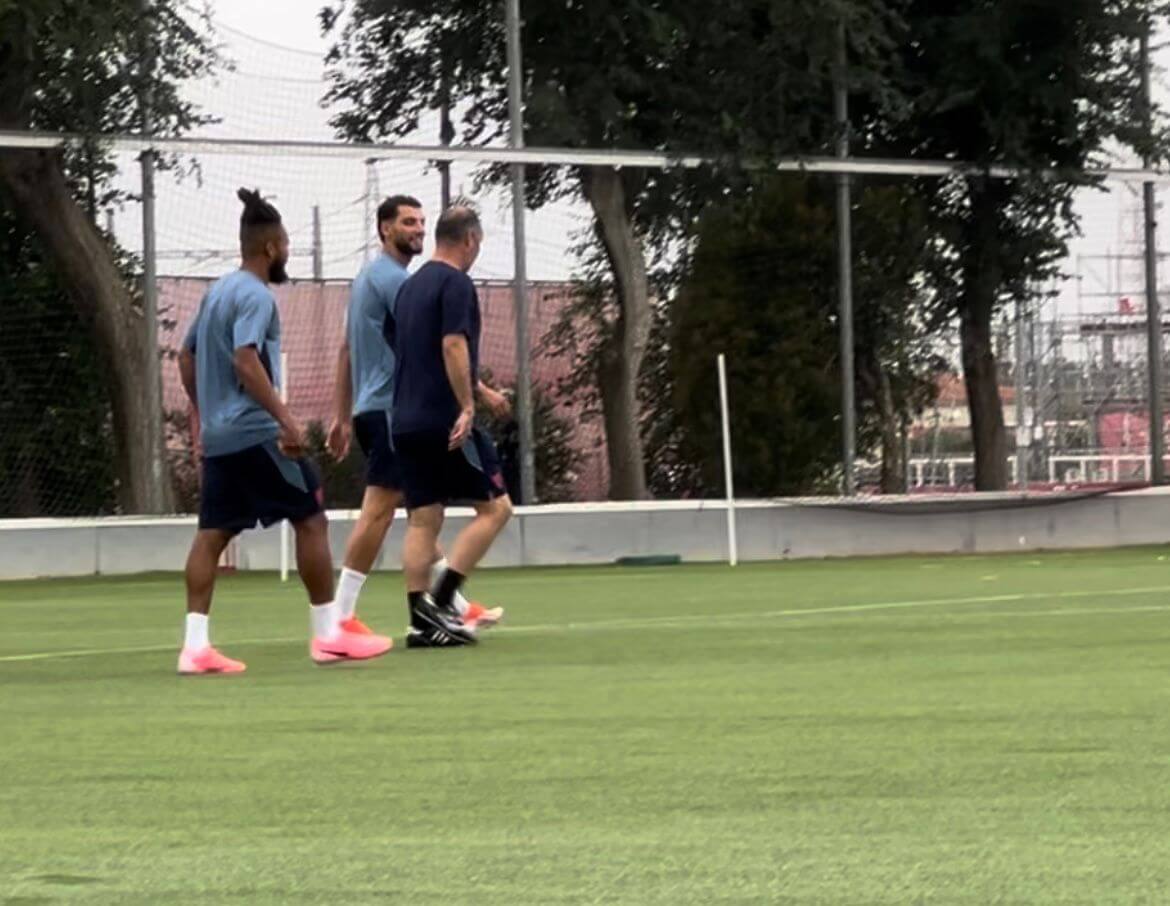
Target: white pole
[732, 543]
[285, 540]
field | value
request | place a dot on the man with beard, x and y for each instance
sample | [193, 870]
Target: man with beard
[253, 465]
[365, 393]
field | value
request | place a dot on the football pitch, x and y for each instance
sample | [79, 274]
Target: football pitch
[965, 730]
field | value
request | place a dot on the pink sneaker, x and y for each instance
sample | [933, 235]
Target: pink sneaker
[479, 617]
[349, 646]
[204, 661]
[356, 626]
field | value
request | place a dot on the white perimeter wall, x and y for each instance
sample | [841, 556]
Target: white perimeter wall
[601, 533]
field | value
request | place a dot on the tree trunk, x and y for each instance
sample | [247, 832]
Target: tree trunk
[987, 428]
[873, 383]
[36, 183]
[980, 292]
[622, 354]
[893, 465]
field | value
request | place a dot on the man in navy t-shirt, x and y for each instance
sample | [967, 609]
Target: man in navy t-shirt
[443, 457]
[364, 397]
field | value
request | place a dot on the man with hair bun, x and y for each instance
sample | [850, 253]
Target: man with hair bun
[253, 448]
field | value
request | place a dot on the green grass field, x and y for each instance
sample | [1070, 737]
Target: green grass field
[970, 730]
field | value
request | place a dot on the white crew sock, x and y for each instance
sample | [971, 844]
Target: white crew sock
[324, 620]
[349, 586]
[197, 636]
[437, 571]
[458, 600]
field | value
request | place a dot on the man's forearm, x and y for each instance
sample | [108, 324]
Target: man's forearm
[258, 386]
[187, 374]
[343, 385]
[457, 361]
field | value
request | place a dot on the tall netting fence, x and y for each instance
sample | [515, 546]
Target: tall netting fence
[623, 362]
[1071, 381]
[1073, 365]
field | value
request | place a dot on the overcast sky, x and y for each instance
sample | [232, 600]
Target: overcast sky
[293, 23]
[275, 94]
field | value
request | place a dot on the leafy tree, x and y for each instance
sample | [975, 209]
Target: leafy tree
[1022, 83]
[896, 365]
[94, 67]
[672, 472]
[737, 79]
[557, 459]
[55, 446]
[761, 289]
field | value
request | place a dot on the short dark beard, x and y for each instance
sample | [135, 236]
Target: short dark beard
[277, 272]
[404, 247]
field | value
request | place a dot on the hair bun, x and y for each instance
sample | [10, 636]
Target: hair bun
[257, 211]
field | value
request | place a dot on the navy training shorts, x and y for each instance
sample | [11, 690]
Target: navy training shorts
[432, 474]
[373, 435]
[257, 485]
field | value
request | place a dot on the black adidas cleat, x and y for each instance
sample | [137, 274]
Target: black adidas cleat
[433, 627]
[435, 638]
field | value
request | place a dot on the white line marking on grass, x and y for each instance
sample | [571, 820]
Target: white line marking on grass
[140, 649]
[1063, 612]
[683, 619]
[714, 619]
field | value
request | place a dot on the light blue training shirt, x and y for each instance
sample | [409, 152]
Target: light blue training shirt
[371, 361]
[239, 310]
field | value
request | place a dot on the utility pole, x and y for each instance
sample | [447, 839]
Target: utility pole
[318, 262]
[1153, 306]
[520, 288]
[157, 498]
[446, 135]
[845, 268]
